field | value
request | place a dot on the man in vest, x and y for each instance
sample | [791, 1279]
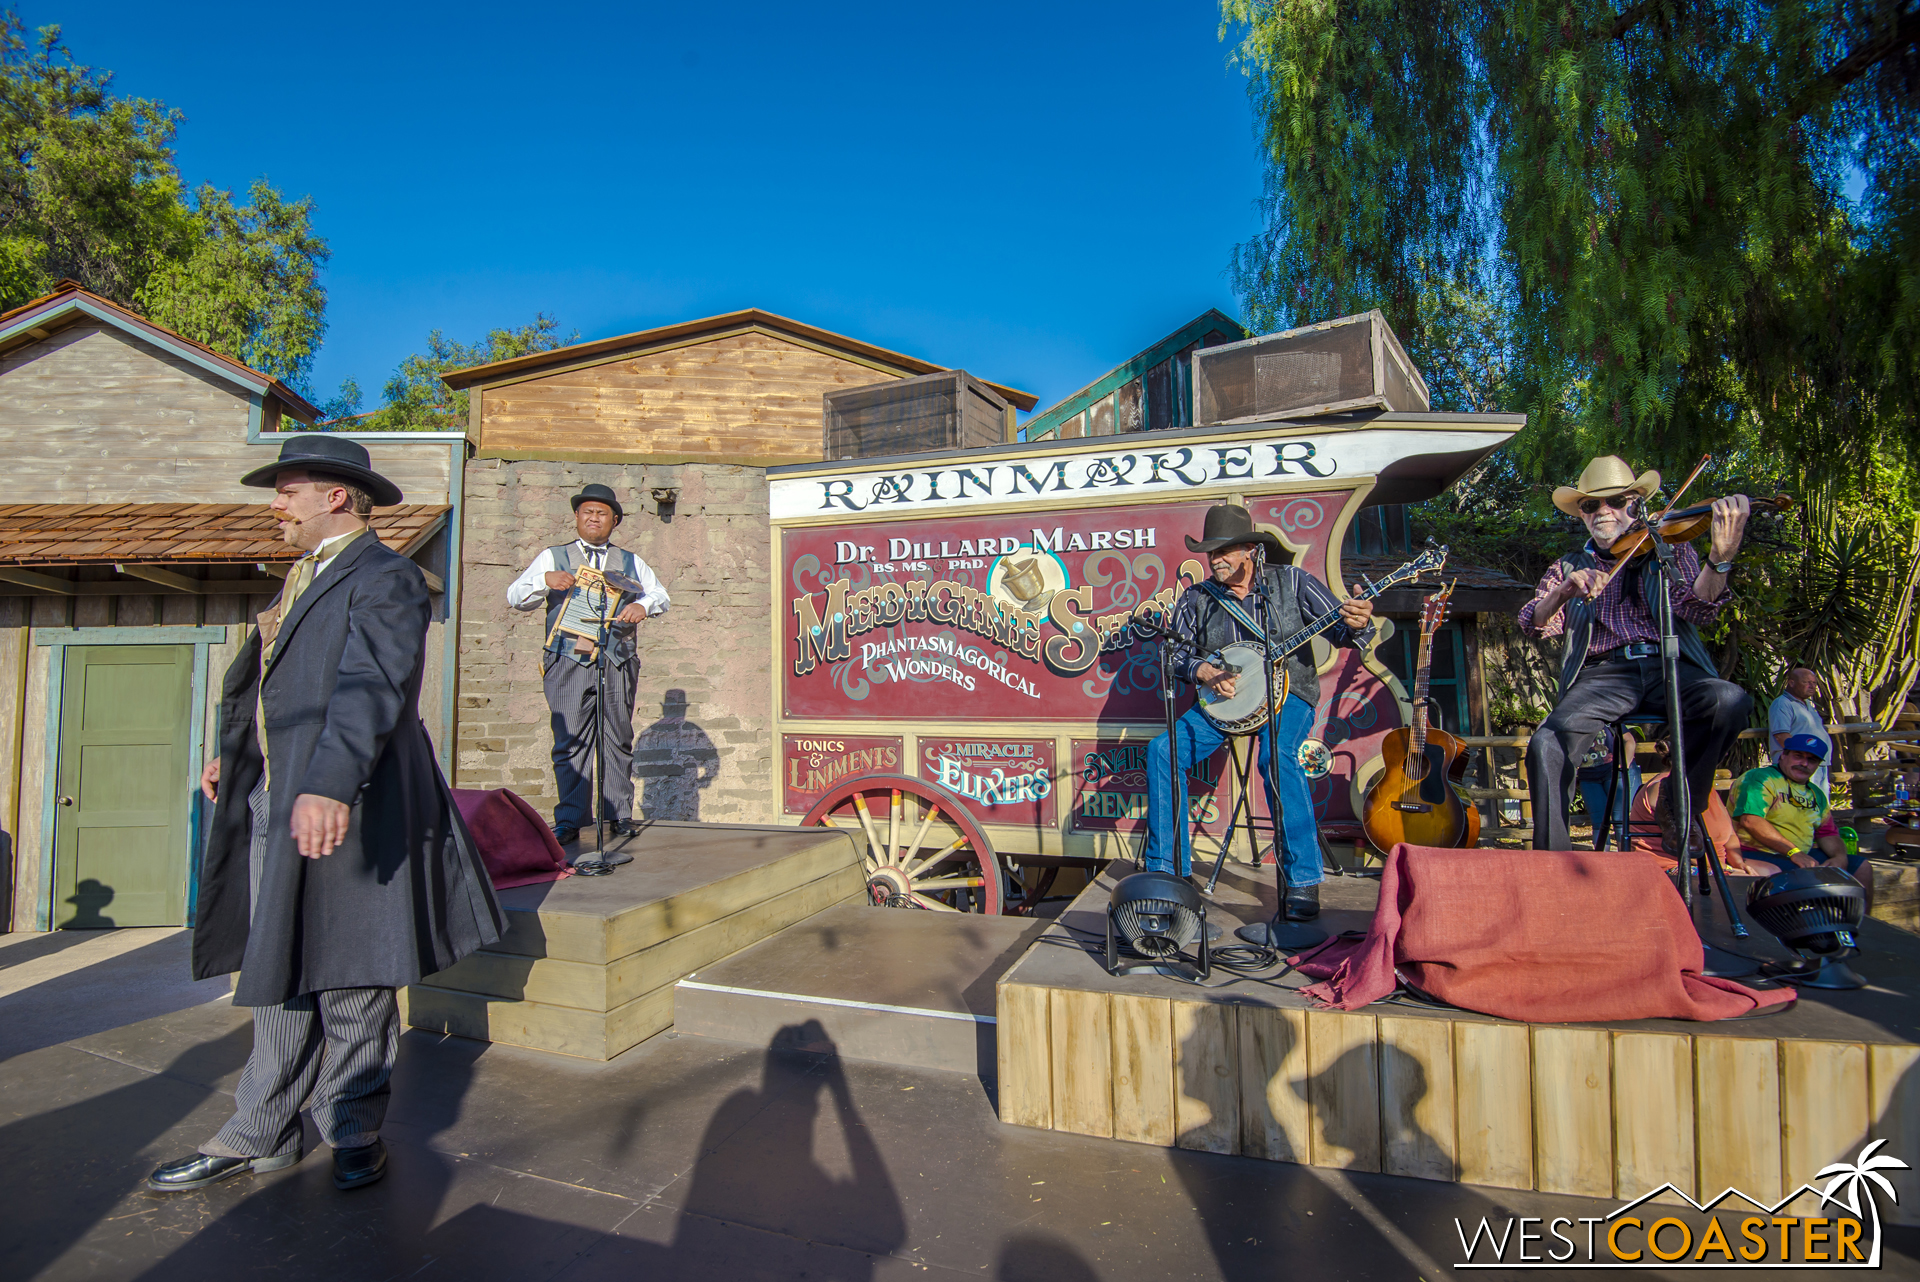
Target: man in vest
[1219, 613]
[572, 683]
[1611, 667]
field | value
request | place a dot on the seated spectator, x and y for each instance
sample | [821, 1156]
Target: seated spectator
[1783, 820]
[1794, 713]
[1652, 812]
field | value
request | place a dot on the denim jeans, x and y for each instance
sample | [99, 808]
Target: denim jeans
[1200, 738]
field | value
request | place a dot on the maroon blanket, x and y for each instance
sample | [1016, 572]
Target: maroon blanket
[516, 843]
[1537, 935]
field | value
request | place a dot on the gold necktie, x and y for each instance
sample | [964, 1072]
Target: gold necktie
[298, 580]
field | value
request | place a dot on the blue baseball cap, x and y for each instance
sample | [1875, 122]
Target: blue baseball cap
[1809, 744]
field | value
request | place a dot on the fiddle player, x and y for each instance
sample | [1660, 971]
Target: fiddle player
[1209, 614]
[1611, 665]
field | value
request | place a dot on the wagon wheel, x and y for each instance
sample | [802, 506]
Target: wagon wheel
[923, 849]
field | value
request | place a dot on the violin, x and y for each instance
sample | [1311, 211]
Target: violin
[1682, 526]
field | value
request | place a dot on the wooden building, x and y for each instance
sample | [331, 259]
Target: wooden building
[132, 562]
[1151, 392]
[742, 387]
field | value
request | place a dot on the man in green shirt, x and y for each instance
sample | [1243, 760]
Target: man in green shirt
[1783, 821]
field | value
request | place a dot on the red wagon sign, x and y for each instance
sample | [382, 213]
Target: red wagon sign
[1023, 618]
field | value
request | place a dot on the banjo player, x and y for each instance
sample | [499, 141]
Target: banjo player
[1223, 611]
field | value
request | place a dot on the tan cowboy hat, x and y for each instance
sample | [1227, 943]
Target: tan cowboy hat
[1604, 478]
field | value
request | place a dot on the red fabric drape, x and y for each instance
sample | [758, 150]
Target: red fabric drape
[1538, 935]
[515, 841]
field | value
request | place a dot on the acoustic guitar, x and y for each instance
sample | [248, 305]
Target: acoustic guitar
[1416, 799]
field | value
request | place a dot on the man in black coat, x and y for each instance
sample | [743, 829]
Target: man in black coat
[336, 868]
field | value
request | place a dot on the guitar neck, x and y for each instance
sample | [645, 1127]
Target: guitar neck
[1420, 693]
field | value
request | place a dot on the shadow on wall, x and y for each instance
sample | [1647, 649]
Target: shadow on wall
[89, 899]
[1337, 1117]
[675, 762]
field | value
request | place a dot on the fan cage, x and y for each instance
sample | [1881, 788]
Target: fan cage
[1151, 938]
[1799, 918]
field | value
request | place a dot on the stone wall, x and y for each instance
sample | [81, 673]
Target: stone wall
[703, 714]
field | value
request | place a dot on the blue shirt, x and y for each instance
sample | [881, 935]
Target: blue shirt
[1791, 716]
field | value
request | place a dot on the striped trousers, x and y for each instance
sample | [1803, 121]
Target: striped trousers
[332, 1051]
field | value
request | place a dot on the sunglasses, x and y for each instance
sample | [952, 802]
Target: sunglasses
[1619, 503]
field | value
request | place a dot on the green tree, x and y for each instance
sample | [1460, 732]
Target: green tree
[417, 401]
[89, 191]
[1653, 192]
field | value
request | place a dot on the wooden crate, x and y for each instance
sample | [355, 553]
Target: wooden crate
[950, 410]
[1354, 363]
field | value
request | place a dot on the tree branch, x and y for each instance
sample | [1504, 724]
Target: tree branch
[1874, 51]
[1627, 20]
[1864, 58]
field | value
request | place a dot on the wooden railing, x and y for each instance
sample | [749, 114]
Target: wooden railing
[1490, 790]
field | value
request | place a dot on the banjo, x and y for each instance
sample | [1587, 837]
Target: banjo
[1245, 710]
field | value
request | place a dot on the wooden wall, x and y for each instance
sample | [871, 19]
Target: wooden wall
[96, 415]
[1590, 1110]
[746, 397]
[23, 724]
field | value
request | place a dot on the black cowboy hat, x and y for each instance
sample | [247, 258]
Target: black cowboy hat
[597, 493]
[334, 455]
[1228, 524]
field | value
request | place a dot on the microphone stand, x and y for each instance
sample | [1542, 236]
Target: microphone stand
[1174, 791]
[1279, 934]
[1718, 962]
[598, 865]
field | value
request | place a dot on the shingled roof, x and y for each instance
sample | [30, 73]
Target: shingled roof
[177, 535]
[1478, 589]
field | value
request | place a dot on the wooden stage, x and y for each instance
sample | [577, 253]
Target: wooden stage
[588, 964]
[1600, 1110]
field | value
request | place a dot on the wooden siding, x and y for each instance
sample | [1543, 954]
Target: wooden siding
[95, 415]
[745, 396]
[1589, 1110]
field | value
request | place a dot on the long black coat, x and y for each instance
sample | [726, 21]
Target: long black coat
[406, 893]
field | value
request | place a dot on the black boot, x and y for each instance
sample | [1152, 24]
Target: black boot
[1303, 902]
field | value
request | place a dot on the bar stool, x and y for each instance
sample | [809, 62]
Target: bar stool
[1643, 729]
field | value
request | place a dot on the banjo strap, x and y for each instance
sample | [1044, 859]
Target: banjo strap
[1232, 606]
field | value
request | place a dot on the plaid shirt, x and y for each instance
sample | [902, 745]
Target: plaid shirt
[1622, 617]
[1315, 600]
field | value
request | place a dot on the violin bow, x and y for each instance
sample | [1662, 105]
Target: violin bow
[1653, 525]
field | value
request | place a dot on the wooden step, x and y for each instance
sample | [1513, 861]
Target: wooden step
[587, 986]
[588, 964]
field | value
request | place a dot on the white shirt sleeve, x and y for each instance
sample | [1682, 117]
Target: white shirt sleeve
[529, 591]
[655, 597]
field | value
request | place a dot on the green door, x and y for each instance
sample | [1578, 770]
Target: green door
[122, 787]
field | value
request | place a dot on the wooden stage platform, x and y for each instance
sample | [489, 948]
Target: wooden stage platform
[1599, 1110]
[588, 964]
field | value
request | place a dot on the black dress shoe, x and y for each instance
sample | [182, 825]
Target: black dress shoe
[565, 836]
[1303, 902]
[628, 827]
[202, 1169]
[355, 1168]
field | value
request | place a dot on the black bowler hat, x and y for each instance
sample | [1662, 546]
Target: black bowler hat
[597, 493]
[321, 452]
[1228, 524]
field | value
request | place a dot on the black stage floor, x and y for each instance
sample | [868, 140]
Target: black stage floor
[683, 1158]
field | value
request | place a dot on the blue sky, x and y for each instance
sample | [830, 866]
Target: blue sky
[1031, 191]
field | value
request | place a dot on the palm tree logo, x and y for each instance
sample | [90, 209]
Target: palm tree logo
[1850, 1180]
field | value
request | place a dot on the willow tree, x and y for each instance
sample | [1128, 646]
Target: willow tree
[1654, 199]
